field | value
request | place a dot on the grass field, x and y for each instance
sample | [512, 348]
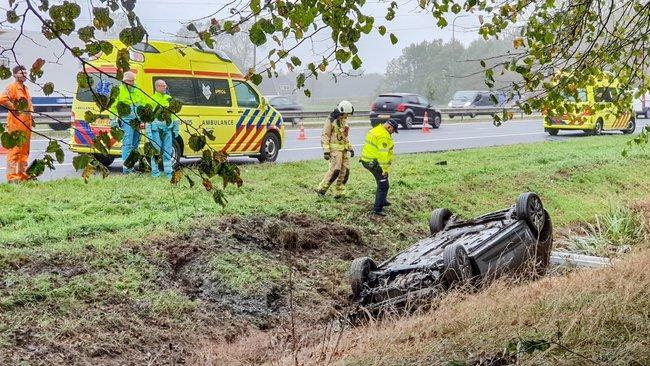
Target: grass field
[82, 261]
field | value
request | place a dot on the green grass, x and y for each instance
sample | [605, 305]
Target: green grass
[67, 247]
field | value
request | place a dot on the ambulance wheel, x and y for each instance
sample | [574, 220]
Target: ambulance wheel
[598, 129]
[552, 131]
[177, 152]
[269, 149]
[631, 126]
[106, 160]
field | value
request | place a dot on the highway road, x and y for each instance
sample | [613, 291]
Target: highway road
[450, 136]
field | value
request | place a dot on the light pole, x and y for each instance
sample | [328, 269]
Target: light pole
[453, 24]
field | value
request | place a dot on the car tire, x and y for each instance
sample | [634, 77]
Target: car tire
[438, 220]
[472, 115]
[177, 152]
[457, 265]
[529, 208]
[106, 160]
[647, 114]
[451, 116]
[542, 254]
[598, 129]
[552, 131]
[269, 149]
[631, 126]
[408, 122]
[359, 273]
[437, 121]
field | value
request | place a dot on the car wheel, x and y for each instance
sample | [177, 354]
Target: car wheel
[529, 208]
[408, 122]
[552, 131]
[631, 126]
[177, 152]
[270, 148]
[598, 129]
[359, 273]
[647, 113]
[457, 265]
[106, 160]
[438, 220]
[543, 248]
[437, 121]
[451, 116]
[472, 115]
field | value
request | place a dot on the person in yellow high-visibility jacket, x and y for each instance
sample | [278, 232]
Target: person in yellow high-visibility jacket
[130, 124]
[335, 141]
[377, 156]
[160, 134]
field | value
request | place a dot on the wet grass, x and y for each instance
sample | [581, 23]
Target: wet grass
[69, 248]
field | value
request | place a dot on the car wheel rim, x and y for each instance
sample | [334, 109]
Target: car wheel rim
[436, 121]
[465, 271]
[270, 148]
[409, 122]
[536, 213]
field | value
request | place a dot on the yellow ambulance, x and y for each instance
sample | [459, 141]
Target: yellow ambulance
[215, 96]
[597, 112]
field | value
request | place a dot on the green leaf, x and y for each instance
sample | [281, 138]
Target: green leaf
[382, 30]
[12, 17]
[48, 88]
[52, 146]
[307, 93]
[257, 35]
[197, 143]
[393, 38]
[356, 62]
[255, 6]
[192, 28]
[209, 134]
[5, 73]
[60, 156]
[36, 168]
[296, 61]
[256, 79]
[342, 55]
[80, 161]
[456, 8]
[300, 81]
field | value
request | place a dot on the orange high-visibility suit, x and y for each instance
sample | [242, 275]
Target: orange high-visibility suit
[17, 157]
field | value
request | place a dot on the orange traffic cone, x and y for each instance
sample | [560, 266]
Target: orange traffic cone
[301, 134]
[425, 123]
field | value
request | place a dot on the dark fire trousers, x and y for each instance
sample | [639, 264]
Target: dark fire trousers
[382, 184]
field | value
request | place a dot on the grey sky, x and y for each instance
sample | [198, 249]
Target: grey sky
[411, 25]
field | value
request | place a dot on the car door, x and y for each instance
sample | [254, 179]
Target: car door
[217, 110]
[183, 89]
[414, 105]
[254, 121]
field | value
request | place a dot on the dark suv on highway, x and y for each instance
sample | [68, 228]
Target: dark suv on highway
[407, 108]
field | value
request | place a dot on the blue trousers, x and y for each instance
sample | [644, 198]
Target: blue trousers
[130, 142]
[160, 136]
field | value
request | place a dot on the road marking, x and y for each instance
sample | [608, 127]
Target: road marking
[433, 140]
[64, 164]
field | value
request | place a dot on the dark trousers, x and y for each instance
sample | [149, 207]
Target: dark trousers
[382, 184]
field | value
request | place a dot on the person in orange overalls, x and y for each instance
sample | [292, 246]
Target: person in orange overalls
[18, 121]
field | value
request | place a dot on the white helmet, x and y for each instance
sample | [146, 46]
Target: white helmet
[345, 107]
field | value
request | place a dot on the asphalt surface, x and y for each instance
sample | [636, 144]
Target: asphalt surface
[450, 136]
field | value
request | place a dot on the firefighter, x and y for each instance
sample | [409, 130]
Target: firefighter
[159, 133]
[377, 156]
[17, 100]
[336, 145]
[130, 123]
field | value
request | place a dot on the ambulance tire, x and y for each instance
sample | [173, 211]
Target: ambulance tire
[631, 126]
[176, 153]
[269, 149]
[552, 131]
[106, 160]
[598, 129]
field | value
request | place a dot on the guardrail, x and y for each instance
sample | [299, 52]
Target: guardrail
[63, 116]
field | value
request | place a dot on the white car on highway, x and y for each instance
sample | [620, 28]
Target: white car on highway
[642, 106]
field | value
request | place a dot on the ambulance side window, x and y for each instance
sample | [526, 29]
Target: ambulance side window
[213, 92]
[246, 96]
[181, 89]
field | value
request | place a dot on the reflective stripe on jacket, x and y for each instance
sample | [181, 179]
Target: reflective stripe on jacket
[378, 147]
[335, 135]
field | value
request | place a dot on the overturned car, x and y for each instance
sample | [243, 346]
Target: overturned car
[458, 252]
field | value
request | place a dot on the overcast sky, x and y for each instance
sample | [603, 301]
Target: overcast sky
[411, 25]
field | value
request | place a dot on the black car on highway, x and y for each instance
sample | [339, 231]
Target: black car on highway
[468, 252]
[407, 108]
[285, 104]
